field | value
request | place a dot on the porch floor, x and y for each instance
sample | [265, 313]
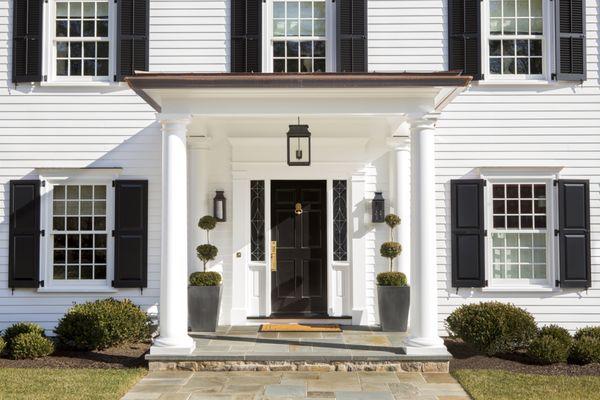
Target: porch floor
[355, 344]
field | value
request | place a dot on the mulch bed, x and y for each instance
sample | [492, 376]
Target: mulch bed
[466, 357]
[126, 356]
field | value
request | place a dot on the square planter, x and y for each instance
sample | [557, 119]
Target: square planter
[394, 303]
[204, 304]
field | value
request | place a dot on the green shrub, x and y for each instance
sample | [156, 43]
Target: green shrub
[585, 350]
[391, 279]
[206, 253]
[101, 324]
[31, 345]
[588, 331]
[492, 327]
[21, 327]
[2, 345]
[558, 333]
[546, 349]
[205, 279]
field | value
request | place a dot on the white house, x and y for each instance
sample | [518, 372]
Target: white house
[477, 120]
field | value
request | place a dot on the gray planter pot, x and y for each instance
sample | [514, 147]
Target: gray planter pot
[394, 303]
[204, 304]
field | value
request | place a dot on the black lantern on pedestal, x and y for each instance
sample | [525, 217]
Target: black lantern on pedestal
[298, 145]
[378, 208]
[219, 207]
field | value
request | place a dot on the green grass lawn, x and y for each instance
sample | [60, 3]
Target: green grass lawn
[502, 385]
[66, 384]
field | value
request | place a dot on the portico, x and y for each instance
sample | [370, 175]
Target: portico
[374, 132]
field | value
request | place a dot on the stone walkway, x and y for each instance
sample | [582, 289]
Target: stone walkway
[182, 385]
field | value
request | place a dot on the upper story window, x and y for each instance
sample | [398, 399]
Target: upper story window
[81, 41]
[515, 39]
[299, 36]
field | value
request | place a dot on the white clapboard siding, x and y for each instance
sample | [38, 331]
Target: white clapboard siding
[556, 124]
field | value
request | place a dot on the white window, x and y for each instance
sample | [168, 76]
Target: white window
[300, 32]
[79, 234]
[78, 218]
[81, 47]
[520, 232]
[514, 39]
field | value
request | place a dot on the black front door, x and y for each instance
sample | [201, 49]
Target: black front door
[298, 215]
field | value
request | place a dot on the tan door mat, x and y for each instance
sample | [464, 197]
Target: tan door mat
[300, 328]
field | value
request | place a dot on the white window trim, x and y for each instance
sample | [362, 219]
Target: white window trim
[67, 176]
[49, 51]
[267, 36]
[548, 176]
[548, 44]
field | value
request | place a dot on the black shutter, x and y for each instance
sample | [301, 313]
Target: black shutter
[24, 234]
[570, 40]
[574, 233]
[27, 40]
[351, 35]
[464, 37]
[468, 233]
[246, 16]
[131, 234]
[132, 37]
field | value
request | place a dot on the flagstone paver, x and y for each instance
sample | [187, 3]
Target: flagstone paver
[242, 385]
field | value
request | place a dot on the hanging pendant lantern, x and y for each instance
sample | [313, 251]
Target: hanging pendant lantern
[298, 145]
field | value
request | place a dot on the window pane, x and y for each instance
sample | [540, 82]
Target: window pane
[536, 8]
[102, 10]
[319, 9]
[278, 9]
[496, 8]
[292, 28]
[319, 28]
[306, 28]
[292, 9]
[279, 28]
[509, 8]
[62, 10]
[75, 10]
[306, 9]
[495, 48]
[523, 8]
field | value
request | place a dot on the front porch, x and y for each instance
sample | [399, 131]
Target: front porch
[244, 348]
[374, 132]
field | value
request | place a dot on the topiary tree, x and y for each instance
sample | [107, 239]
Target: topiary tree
[391, 249]
[207, 252]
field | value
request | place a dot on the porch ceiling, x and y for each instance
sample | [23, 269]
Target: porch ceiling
[410, 95]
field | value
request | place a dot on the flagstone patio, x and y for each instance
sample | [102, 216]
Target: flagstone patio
[183, 385]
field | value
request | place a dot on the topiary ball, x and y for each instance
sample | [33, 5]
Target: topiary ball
[392, 220]
[207, 252]
[391, 279]
[390, 249]
[547, 349]
[206, 278]
[208, 223]
[31, 345]
[585, 350]
[557, 332]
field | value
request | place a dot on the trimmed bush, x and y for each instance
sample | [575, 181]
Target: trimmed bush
[101, 324]
[585, 350]
[209, 278]
[2, 345]
[391, 279]
[558, 333]
[207, 223]
[392, 220]
[588, 331]
[492, 327]
[548, 349]
[21, 327]
[206, 253]
[31, 345]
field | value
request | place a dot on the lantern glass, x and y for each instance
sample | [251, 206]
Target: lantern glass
[298, 145]
[219, 207]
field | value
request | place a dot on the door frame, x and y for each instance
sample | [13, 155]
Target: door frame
[324, 231]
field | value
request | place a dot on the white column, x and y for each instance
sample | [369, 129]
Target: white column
[400, 171]
[424, 337]
[358, 219]
[199, 206]
[173, 319]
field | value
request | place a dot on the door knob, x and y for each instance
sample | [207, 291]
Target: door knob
[298, 210]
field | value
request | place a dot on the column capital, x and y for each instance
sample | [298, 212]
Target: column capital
[400, 143]
[196, 142]
[173, 118]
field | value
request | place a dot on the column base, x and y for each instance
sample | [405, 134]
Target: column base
[426, 347]
[173, 346]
